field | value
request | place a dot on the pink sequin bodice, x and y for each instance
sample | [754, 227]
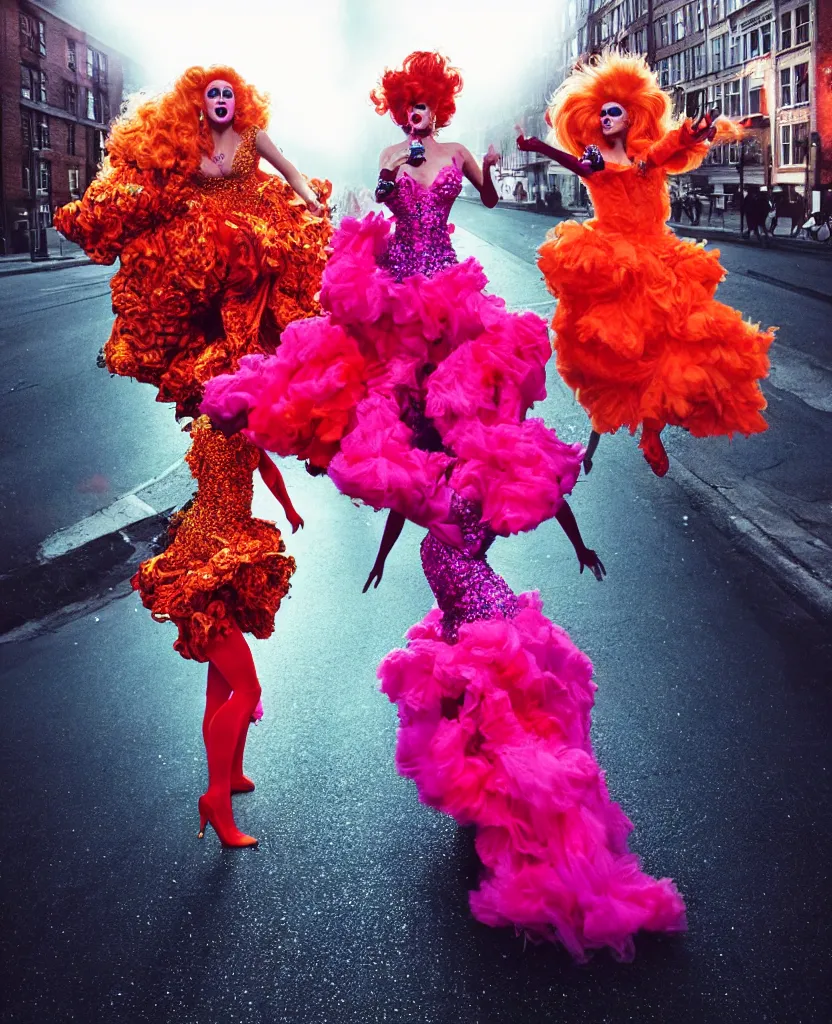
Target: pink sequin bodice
[422, 241]
[465, 586]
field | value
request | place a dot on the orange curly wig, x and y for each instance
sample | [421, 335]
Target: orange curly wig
[425, 77]
[165, 133]
[573, 112]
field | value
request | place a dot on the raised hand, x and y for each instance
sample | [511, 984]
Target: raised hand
[491, 158]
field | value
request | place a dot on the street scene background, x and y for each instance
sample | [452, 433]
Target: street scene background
[710, 639]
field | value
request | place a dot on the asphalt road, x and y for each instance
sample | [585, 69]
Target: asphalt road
[712, 722]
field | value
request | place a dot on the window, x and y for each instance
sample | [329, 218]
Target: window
[26, 130]
[786, 30]
[716, 53]
[26, 179]
[74, 183]
[678, 25]
[734, 51]
[44, 176]
[785, 145]
[734, 107]
[664, 73]
[662, 32]
[42, 132]
[71, 97]
[801, 25]
[32, 84]
[801, 83]
[71, 58]
[755, 99]
[700, 16]
[27, 80]
[91, 111]
[786, 87]
[699, 60]
[800, 142]
[753, 44]
[70, 139]
[675, 68]
[33, 34]
[715, 12]
[765, 36]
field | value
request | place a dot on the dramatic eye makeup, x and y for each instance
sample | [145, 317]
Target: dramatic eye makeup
[612, 112]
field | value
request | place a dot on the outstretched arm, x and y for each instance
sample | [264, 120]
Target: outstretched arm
[480, 178]
[273, 479]
[685, 145]
[392, 532]
[583, 168]
[586, 557]
[267, 149]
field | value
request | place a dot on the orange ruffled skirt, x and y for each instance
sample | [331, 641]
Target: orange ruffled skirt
[241, 582]
[639, 335]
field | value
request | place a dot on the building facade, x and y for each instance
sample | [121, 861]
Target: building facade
[765, 63]
[59, 90]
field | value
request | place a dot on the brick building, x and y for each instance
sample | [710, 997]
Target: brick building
[59, 90]
[767, 63]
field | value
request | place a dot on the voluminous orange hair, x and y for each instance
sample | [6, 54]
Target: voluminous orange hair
[165, 132]
[424, 77]
[574, 110]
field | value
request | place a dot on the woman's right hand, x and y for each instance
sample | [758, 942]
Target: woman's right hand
[395, 156]
[374, 578]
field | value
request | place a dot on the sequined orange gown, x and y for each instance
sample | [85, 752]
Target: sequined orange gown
[211, 268]
[223, 567]
[638, 333]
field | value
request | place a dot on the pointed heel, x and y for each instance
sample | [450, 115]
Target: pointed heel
[227, 832]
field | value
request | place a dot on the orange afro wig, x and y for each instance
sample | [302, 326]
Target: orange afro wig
[574, 110]
[425, 77]
[166, 133]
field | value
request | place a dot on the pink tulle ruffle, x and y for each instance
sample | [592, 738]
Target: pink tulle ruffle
[516, 761]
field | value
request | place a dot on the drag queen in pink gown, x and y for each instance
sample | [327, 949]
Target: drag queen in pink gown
[412, 393]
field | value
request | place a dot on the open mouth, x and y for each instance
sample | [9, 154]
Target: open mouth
[416, 118]
[220, 111]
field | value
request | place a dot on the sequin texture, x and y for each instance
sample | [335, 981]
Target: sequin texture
[465, 586]
[223, 567]
[422, 241]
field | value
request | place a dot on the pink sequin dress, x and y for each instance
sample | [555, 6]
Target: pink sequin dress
[413, 392]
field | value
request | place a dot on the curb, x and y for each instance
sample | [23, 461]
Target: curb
[60, 263]
[810, 592]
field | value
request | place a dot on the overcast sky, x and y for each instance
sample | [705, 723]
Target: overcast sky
[319, 59]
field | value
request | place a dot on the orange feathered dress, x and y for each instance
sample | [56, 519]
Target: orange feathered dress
[638, 333]
[211, 268]
[223, 567]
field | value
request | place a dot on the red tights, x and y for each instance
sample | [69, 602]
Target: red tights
[231, 697]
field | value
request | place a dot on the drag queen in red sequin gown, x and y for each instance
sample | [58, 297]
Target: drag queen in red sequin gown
[216, 258]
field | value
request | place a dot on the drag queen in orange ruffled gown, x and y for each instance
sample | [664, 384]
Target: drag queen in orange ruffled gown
[639, 336]
[217, 259]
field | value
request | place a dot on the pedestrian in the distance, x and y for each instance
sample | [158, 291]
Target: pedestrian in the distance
[639, 336]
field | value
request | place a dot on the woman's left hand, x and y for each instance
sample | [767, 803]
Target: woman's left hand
[314, 207]
[589, 560]
[295, 520]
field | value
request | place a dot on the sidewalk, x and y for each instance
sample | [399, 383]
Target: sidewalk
[726, 226]
[62, 254]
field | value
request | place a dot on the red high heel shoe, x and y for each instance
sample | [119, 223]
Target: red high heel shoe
[227, 831]
[653, 450]
[242, 784]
